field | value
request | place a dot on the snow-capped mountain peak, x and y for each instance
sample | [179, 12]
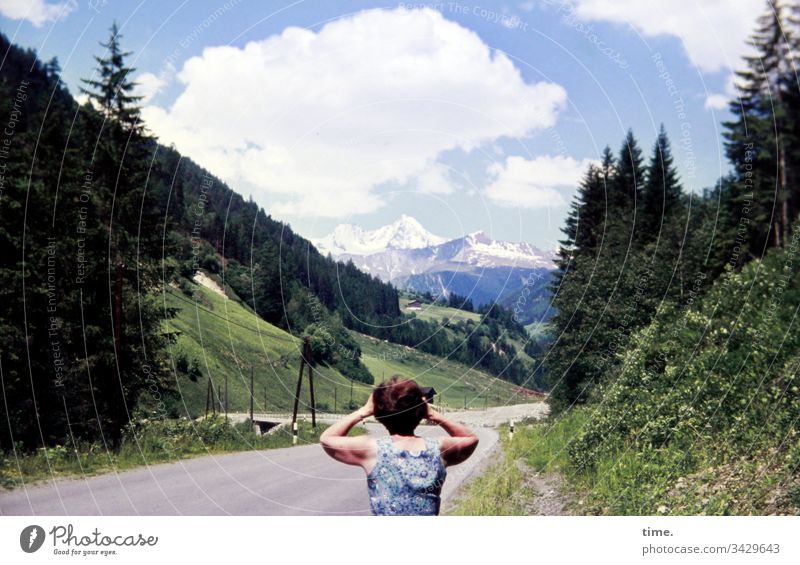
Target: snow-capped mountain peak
[405, 248]
[404, 233]
[480, 250]
[408, 256]
[478, 237]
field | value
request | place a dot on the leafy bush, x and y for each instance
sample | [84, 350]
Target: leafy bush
[710, 385]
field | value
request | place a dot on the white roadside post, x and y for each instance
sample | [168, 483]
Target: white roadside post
[294, 433]
[511, 429]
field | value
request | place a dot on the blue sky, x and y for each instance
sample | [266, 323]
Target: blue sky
[465, 115]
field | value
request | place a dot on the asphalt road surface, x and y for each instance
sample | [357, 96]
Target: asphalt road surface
[300, 480]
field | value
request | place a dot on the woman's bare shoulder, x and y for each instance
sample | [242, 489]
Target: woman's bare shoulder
[363, 442]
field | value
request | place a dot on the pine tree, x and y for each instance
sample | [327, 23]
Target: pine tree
[569, 367]
[130, 236]
[661, 194]
[113, 90]
[761, 140]
[584, 225]
[626, 190]
[594, 285]
[664, 229]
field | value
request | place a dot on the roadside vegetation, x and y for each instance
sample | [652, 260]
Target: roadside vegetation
[626, 479]
[499, 491]
[147, 442]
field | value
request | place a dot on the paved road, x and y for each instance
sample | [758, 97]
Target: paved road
[299, 480]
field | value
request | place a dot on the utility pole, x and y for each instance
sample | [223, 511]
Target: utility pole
[311, 387]
[305, 359]
[297, 395]
[226, 398]
[252, 395]
[208, 395]
[214, 397]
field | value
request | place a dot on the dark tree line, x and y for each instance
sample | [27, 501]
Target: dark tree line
[80, 324]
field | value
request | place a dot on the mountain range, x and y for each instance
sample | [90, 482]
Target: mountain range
[486, 270]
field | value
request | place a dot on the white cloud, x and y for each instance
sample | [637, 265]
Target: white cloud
[434, 179]
[534, 183]
[721, 101]
[313, 122]
[148, 85]
[714, 33]
[716, 102]
[38, 12]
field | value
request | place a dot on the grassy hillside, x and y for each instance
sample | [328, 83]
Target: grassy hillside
[438, 313]
[224, 338]
[453, 381]
[443, 314]
[536, 329]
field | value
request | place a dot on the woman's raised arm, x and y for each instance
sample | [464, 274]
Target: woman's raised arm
[461, 443]
[358, 450]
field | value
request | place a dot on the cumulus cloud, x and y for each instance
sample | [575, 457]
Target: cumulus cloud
[434, 179]
[148, 85]
[534, 183]
[37, 12]
[714, 33]
[313, 122]
[720, 101]
[716, 102]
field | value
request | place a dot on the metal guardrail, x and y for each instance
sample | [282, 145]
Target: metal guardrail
[279, 416]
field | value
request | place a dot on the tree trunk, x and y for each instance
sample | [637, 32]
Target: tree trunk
[120, 397]
[784, 192]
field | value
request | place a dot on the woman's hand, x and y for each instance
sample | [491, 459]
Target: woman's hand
[431, 414]
[368, 409]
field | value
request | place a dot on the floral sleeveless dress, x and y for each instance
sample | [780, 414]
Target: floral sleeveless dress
[404, 483]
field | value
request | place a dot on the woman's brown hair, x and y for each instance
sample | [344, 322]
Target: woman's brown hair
[399, 405]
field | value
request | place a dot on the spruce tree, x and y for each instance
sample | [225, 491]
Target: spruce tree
[626, 190]
[570, 367]
[762, 141]
[119, 162]
[664, 229]
[661, 194]
[113, 89]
